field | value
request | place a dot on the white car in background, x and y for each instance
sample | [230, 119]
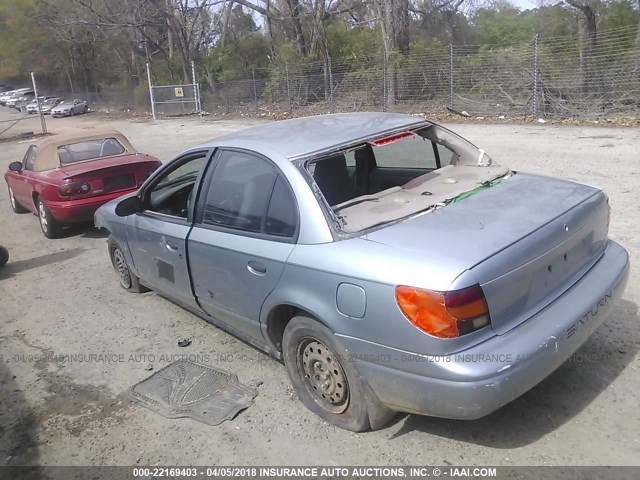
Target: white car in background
[7, 95]
[45, 101]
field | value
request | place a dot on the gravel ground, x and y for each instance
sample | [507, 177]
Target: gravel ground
[61, 297]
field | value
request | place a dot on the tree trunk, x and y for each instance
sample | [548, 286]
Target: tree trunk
[591, 82]
[394, 23]
[294, 9]
[226, 15]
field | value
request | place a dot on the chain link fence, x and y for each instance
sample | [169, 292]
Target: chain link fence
[545, 77]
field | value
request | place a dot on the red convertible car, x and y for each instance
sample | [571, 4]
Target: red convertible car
[66, 178]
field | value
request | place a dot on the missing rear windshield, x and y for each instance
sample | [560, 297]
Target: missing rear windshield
[390, 178]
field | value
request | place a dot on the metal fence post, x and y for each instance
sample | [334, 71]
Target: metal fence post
[535, 76]
[226, 98]
[452, 102]
[196, 93]
[255, 90]
[286, 73]
[153, 105]
[330, 85]
[384, 82]
[43, 124]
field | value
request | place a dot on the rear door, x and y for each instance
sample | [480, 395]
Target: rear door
[157, 236]
[245, 229]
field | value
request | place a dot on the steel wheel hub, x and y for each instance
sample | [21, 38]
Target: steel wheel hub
[324, 376]
[121, 267]
[43, 216]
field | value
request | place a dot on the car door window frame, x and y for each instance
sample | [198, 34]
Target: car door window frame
[25, 166]
[207, 184]
[166, 169]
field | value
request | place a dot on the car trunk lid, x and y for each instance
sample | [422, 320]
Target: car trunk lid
[525, 241]
[112, 174]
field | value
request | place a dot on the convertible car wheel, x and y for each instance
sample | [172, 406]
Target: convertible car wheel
[15, 206]
[50, 227]
[128, 280]
[322, 376]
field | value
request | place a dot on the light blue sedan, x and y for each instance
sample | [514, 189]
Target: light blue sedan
[390, 263]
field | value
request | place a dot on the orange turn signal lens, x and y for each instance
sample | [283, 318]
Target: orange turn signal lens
[444, 314]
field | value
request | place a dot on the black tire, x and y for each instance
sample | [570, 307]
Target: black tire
[129, 281]
[15, 206]
[72, 112]
[326, 381]
[49, 225]
[4, 256]
[86, 109]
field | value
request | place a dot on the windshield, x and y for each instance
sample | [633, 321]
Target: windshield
[89, 150]
[390, 178]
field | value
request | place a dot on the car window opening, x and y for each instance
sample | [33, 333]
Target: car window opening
[400, 175]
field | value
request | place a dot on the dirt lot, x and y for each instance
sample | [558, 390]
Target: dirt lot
[61, 297]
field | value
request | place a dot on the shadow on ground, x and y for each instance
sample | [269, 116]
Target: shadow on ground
[19, 266]
[554, 401]
[18, 426]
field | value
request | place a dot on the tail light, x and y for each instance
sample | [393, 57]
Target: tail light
[74, 188]
[444, 314]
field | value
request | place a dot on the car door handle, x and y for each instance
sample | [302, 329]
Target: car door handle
[256, 268]
[171, 246]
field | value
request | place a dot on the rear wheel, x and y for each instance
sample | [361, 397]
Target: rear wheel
[4, 256]
[15, 206]
[325, 380]
[49, 225]
[128, 280]
[86, 109]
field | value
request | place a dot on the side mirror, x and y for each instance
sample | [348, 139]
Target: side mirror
[15, 166]
[129, 206]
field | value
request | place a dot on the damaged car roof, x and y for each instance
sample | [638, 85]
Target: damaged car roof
[299, 137]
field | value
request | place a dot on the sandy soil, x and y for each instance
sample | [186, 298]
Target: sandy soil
[61, 297]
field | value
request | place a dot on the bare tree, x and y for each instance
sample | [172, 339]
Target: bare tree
[588, 45]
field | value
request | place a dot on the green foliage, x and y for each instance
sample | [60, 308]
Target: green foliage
[355, 43]
[503, 24]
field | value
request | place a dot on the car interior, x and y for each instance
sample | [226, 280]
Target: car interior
[393, 177]
[171, 195]
[90, 150]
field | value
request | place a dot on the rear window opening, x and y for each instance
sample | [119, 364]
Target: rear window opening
[90, 150]
[393, 177]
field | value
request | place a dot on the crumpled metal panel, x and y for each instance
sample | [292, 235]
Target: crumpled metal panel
[189, 389]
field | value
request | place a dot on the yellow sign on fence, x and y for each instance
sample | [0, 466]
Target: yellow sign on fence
[179, 92]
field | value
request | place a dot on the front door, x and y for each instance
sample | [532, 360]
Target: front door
[244, 232]
[21, 183]
[157, 236]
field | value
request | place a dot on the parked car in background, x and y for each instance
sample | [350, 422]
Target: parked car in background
[47, 105]
[32, 107]
[391, 263]
[64, 179]
[5, 88]
[70, 108]
[18, 98]
[4, 98]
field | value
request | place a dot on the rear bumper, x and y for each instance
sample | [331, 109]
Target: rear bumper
[478, 381]
[77, 211]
